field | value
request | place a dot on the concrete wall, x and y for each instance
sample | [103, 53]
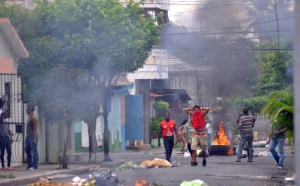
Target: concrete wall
[56, 137]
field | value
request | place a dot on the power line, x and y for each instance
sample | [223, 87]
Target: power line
[242, 26]
[208, 8]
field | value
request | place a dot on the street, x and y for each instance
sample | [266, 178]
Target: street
[220, 170]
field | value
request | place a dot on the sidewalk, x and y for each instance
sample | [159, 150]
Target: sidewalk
[23, 176]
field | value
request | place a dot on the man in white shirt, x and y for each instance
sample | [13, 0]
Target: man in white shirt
[209, 134]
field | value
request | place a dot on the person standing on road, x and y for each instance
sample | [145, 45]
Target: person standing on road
[188, 132]
[209, 131]
[167, 131]
[199, 135]
[31, 139]
[5, 141]
[277, 139]
[180, 137]
[246, 123]
[245, 147]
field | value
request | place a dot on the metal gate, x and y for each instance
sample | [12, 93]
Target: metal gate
[133, 117]
[10, 92]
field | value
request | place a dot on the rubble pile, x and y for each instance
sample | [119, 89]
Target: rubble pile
[104, 178]
[49, 183]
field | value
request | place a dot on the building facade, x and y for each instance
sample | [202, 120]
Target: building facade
[12, 49]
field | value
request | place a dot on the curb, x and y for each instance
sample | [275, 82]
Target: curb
[33, 177]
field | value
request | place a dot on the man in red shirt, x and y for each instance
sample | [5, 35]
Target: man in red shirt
[167, 131]
[199, 135]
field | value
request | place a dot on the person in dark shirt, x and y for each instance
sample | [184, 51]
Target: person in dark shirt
[5, 141]
[31, 139]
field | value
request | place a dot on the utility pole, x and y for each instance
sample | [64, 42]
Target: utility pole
[276, 16]
[297, 88]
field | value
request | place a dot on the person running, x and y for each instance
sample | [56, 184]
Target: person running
[277, 139]
[199, 135]
[167, 131]
[180, 137]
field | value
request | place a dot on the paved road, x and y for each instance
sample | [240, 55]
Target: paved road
[220, 170]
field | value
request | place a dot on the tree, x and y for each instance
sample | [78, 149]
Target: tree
[280, 108]
[274, 68]
[254, 104]
[97, 39]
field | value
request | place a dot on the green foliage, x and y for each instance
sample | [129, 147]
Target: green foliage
[161, 107]
[254, 104]
[273, 67]
[280, 109]
[155, 124]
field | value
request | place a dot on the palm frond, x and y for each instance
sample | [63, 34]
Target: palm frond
[280, 109]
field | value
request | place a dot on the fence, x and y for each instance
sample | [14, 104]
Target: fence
[11, 93]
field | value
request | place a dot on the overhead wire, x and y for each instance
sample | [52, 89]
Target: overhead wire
[216, 29]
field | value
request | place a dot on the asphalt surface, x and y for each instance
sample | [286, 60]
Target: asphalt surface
[220, 170]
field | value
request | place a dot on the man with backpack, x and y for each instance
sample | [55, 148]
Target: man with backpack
[199, 135]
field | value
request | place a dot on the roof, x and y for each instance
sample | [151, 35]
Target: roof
[13, 38]
[178, 65]
[180, 94]
[121, 80]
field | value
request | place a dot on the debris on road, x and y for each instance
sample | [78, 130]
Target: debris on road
[260, 143]
[129, 165]
[193, 183]
[156, 162]
[44, 182]
[104, 178]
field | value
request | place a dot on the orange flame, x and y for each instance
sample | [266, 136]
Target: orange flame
[221, 138]
[143, 182]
